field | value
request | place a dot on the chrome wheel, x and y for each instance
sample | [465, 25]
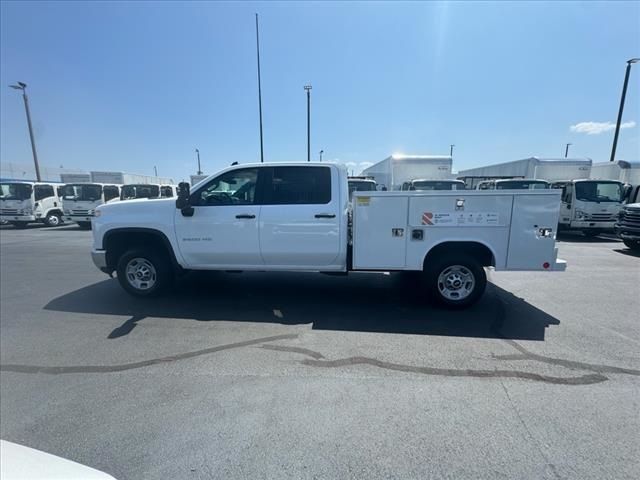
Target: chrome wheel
[456, 282]
[53, 220]
[140, 273]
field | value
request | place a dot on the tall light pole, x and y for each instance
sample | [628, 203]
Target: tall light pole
[198, 153]
[624, 94]
[23, 86]
[566, 150]
[259, 90]
[155, 170]
[451, 150]
[308, 90]
[321, 152]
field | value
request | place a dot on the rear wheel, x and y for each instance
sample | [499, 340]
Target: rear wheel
[85, 225]
[19, 224]
[53, 220]
[144, 273]
[632, 244]
[456, 281]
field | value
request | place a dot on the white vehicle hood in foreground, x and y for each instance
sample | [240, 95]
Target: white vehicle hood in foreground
[20, 462]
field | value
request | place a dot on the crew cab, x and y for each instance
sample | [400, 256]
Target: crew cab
[298, 217]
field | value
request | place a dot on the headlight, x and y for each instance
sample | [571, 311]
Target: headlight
[580, 215]
[97, 213]
[28, 211]
[90, 212]
[67, 212]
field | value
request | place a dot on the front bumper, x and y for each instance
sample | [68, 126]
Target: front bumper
[99, 258]
[78, 218]
[587, 224]
[627, 232]
[18, 218]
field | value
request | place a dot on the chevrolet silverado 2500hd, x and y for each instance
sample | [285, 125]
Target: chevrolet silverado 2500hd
[298, 217]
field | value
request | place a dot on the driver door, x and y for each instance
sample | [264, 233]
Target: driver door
[223, 231]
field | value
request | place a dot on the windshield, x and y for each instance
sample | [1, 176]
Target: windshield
[436, 185]
[361, 186]
[15, 191]
[522, 185]
[82, 192]
[140, 191]
[599, 191]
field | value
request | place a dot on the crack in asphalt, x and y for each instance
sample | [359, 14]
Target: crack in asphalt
[132, 366]
[303, 351]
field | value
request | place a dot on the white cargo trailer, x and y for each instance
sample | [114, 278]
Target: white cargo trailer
[395, 170]
[626, 172]
[197, 178]
[75, 177]
[551, 169]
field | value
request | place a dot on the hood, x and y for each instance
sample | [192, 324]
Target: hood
[138, 204]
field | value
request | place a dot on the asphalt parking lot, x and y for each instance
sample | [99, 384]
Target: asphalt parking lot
[310, 376]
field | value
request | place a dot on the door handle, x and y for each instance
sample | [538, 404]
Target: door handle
[245, 215]
[325, 215]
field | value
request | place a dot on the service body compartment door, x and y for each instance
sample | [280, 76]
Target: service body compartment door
[379, 232]
[533, 231]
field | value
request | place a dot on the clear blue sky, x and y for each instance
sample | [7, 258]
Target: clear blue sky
[126, 86]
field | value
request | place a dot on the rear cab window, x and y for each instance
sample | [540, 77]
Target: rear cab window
[298, 185]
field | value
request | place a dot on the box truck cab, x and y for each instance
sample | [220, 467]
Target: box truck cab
[80, 200]
[423, 185]
[589, 206]
[361, 184]
[22, 203]
[392, 172]
[513, 184]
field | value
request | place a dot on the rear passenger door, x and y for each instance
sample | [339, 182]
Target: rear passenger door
[300, 217]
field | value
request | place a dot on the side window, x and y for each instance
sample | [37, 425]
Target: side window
[237, 187]
[566, 193]
[110, 192]
[299, 186]
[166, 192]
[43, 191]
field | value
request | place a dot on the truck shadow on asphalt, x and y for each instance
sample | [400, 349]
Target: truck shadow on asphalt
[360, 302]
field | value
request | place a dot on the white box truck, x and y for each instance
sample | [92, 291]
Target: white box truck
[22, 203]
[80, 200]
[394, 171]
[123, 178]
[626, 172]
[534, 168]
[296, 217]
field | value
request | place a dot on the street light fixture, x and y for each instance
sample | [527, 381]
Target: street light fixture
[451, 150]
[624, 94]
[566, 150]
[23, 86]
[307, 88]
[321, 152]
[199, 170]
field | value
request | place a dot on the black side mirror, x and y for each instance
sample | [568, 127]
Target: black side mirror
[183, 202]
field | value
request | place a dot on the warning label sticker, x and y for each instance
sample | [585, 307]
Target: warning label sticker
[363, 201]
[461, 219]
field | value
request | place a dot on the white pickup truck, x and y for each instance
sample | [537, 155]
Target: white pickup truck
[298, 217]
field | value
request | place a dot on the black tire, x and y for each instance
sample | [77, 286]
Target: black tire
[20, 225]
[84, 225]
[591, 233]
[161, 272]
[462, 265]
[53, 220]
[632, 244]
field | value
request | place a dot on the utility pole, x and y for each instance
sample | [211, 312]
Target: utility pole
[23, 86]
[155, 170]
[566, 150]
[451, 150]
[198, 153]
[321, 152]
[624, 94]
[308, 90]
[259, 90]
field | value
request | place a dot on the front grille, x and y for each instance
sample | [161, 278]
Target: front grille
[630, 216]
[79, 212]
[602, 217]
[9, 211]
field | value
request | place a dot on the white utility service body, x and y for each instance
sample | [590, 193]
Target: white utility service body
[22, 203]
[279, 225]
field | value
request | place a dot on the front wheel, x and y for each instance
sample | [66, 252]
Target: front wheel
[632, 244]
[52, 220]
[143, 273]
[455, 281]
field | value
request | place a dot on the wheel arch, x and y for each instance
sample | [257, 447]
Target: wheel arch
[118, 240]
[477, 249]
